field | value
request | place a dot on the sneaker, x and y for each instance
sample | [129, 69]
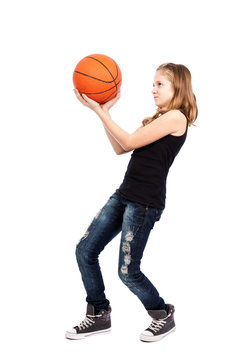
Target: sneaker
[162, 324]
[92, 324]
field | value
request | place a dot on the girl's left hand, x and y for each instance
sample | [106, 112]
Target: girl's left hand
[93, 105]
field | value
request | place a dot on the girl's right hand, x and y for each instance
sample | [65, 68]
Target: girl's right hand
[107, 106]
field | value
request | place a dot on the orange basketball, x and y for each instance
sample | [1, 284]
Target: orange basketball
[98, 76]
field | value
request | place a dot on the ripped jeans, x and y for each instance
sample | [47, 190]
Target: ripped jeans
[135, 221]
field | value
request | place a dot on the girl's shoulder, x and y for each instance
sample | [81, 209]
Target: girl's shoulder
[177, 113]
[181, 122]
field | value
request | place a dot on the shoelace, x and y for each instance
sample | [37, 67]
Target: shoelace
[87, 322]
[158, 324]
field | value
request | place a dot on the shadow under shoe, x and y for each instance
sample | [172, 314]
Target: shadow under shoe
[92, 324]
[162, 324]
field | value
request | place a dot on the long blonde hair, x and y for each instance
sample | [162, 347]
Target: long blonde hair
[183, 98]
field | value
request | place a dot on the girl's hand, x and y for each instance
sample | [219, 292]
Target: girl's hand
[86, 101]
[112, 102]
[93, 105]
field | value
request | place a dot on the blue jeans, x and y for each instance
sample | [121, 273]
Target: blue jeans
[135, 221]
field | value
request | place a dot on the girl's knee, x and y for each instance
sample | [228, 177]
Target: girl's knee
[86, 254]
[81, 252]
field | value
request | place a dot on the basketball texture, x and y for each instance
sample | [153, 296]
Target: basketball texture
[98, 76]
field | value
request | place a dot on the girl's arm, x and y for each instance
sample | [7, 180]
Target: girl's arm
[116, 146]
[168, 123]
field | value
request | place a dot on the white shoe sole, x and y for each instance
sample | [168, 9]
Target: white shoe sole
[75, 336]
[155, 338]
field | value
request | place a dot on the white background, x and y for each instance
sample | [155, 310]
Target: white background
[58, 169]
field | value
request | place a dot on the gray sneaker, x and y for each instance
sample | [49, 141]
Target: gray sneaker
[92, 324]
[162, 324]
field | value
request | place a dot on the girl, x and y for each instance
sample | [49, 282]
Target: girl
[138, 203]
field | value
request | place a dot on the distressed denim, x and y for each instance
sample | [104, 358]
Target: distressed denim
[135, 222]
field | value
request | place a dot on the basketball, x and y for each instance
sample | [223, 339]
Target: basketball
[98, 76]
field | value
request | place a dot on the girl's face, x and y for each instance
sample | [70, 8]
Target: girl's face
[163, 90]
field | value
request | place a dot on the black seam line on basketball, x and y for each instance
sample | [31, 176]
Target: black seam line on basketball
[101, 92]
[92, 77]
[117, 73]
[90, 57]
[109, 96]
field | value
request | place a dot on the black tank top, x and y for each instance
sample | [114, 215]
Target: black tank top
[145, 179]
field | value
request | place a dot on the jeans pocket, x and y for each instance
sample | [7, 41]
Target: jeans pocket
[158, 213]
[115, 196]
[140, 213]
